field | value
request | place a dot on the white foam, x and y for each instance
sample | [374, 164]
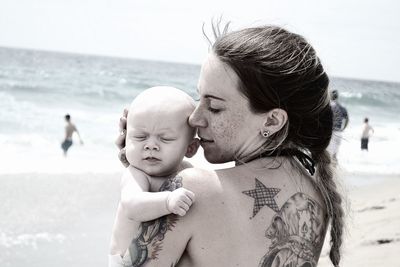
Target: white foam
[383, 156]
[30, 240]
[34, 153]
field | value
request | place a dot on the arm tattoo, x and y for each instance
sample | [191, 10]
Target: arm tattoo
[296, 232]
[149, 241]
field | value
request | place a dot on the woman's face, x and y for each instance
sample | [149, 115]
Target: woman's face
[227, 128]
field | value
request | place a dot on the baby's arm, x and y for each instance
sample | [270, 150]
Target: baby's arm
[141, 205]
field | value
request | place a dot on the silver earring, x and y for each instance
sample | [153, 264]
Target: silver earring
[266, 134]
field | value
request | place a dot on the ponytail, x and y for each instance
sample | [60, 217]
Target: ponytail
[333, 202]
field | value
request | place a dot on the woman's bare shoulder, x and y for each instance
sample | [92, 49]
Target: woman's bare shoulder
[198, 176]
[201, 181]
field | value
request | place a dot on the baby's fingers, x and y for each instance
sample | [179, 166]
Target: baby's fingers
[188, 194]
[191, 195]
[183, 205]
[181, 212]
[188, 201]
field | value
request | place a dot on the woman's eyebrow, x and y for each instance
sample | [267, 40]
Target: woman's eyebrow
[208, 95]
[214, 97]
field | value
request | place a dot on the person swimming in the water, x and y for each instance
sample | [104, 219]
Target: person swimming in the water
[70, 128]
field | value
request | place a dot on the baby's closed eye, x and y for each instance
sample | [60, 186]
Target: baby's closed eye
[167, 139]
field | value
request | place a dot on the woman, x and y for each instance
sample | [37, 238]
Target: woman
[263, 104]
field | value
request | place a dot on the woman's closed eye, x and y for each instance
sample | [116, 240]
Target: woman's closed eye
[214, 110]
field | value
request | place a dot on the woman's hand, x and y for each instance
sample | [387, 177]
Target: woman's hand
[120, 141]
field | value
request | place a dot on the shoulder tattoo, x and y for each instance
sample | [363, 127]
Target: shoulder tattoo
[296, 232]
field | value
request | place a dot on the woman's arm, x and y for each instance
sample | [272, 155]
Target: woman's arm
[162, 242]
[124, 230]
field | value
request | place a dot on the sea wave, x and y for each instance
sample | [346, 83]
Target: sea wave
[38, 88]
[30, 240]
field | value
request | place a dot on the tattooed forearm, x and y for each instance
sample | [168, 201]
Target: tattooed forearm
[296, 232]
[151, 234]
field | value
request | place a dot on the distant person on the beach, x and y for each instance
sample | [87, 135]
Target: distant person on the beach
[367, 130]
[340, 122]
[158, 137]
[70, 129]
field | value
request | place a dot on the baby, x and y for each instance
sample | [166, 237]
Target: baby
[158, 137]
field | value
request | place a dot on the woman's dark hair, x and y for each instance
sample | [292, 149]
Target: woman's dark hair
[280, 69]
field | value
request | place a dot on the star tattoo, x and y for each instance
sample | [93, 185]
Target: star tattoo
[263, 196]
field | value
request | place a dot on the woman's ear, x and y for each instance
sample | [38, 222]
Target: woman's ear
[275, 120]
[192, 148]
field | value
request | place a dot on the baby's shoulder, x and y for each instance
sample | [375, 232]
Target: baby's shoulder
[136, 174]
[185, 165]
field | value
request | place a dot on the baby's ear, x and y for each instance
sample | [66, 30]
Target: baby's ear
[192, 147]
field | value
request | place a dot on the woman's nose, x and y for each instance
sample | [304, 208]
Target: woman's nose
[196, 119]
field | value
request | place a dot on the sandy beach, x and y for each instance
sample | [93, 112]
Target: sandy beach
[56, 219]
[65, 219]
[372, 235]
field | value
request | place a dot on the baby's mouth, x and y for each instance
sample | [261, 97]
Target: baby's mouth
[152, 159]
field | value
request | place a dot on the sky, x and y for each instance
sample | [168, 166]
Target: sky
[354, 38]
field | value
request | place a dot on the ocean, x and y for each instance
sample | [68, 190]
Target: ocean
[38, 88]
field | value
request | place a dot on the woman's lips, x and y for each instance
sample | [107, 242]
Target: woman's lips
[204, 140]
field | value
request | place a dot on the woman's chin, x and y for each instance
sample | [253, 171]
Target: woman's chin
[215, 157]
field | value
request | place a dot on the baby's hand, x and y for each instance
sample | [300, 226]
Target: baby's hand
[179, 201]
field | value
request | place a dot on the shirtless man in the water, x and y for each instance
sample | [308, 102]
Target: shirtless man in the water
[70, 128]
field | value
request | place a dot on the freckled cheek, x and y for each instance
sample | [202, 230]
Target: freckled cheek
[225, 131]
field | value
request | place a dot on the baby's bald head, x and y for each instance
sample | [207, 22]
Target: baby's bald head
[163, 99]
[163, 104]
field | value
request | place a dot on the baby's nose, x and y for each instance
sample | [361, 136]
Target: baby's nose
[151, 146]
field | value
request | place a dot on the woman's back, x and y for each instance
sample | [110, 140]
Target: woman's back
[253, 215]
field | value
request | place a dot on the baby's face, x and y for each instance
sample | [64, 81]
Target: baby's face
[157, 141]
